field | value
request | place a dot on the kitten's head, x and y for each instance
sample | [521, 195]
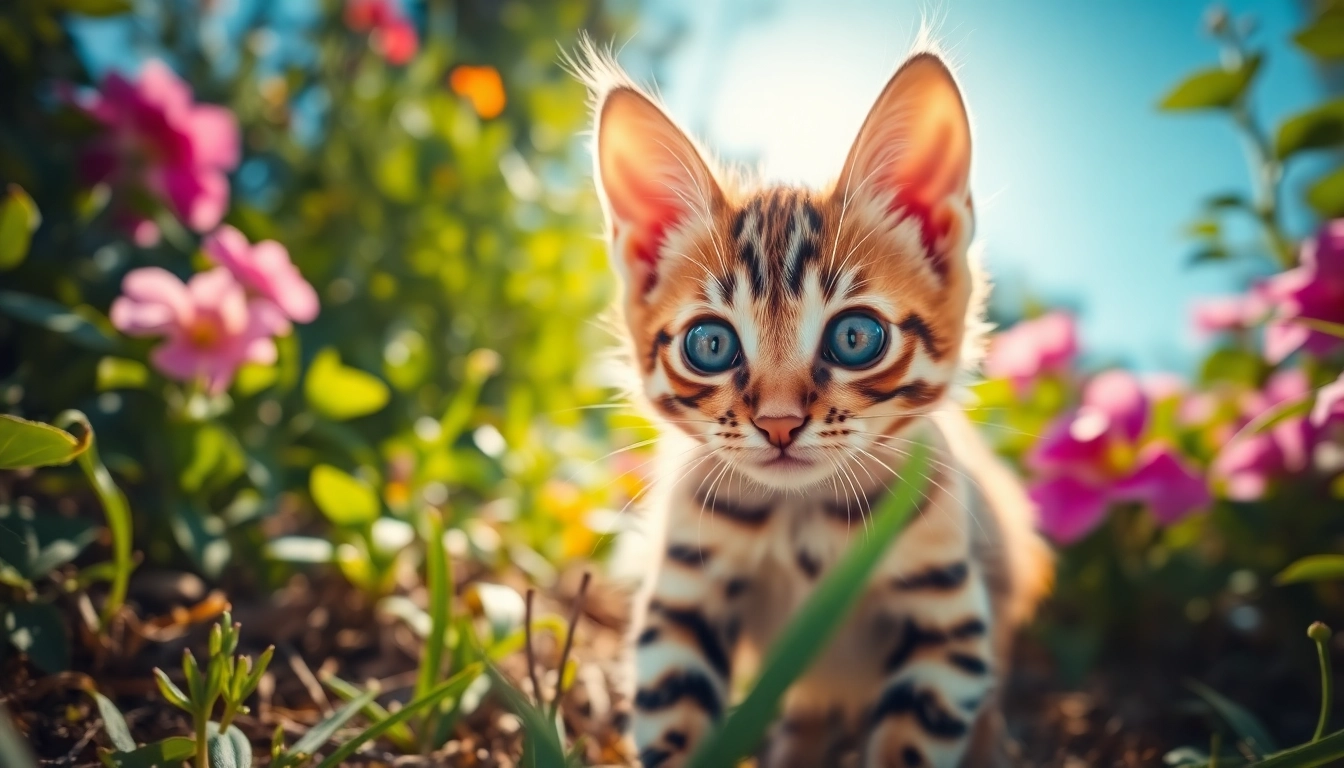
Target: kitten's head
[786, 327]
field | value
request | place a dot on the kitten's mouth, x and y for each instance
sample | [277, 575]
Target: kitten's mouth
[785, 461]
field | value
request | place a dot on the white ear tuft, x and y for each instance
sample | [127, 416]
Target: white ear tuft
[650, 175]
[914, 150]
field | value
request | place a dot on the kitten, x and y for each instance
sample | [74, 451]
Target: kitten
[797, 343]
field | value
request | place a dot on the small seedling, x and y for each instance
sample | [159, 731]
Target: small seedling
[227, 677]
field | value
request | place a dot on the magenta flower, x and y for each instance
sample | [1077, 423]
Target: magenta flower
[1314, 290]
[265, 270]
[157, 139]
[1251, 459]
[211, 327]
[1044, 344]
[1093, 456]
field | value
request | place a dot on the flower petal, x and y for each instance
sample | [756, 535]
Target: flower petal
[1164, 482]
[1069, 508]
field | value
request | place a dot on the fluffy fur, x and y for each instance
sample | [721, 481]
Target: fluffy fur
[770, 467]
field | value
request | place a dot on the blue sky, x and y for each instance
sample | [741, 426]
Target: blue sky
[1082, 187]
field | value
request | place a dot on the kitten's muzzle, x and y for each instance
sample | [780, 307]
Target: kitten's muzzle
[781, 431]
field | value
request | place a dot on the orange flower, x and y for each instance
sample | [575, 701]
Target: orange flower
[482, 86]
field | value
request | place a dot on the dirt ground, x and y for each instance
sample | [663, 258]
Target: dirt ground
[1128, 714]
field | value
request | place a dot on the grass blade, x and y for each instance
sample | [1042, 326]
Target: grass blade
[453, 686]
[1245, 725]
[440, 598]
[813, 626]
[320, 734]
[400, 735]
[541, 741]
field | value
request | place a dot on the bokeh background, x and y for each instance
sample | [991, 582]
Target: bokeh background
[324, 280]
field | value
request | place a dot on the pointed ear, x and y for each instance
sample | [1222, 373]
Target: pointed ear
[914, 150]
[651, 180]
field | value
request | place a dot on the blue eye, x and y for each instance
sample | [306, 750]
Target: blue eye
[712, 347]
[855, 340]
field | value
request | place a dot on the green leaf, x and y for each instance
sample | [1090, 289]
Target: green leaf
[121, 373]
[1312, 568]
[216, 459]
[300, 549]
[342, 498]
[339, 392]
[14, 749]
[1324, 38]
[25, 443]
[114, 723]
[169, 753]
[1328, 751]
[453, 686]
[1321, 326]
[169, 690]
[19, 219]
[317, 737]
[56, 318]
[95, 7]
[1208, 254]
[1226, 201]
[37, 630]
[36, 544]
[229, 749]
[1326, 195]
[1232, 365]
[1244, 725]
[541, 739]
[813, 625]
[1214, 88]
[1316, 128]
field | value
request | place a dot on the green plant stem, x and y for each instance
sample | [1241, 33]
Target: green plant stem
[202, 745]
[1327, 691]
[1266, 170]
[116, 509]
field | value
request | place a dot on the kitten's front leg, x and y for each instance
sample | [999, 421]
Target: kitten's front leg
[939, 673]
[683, 652]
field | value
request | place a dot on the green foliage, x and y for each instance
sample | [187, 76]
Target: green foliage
[317, 737]
[1320, 127]
[25, 444]
[340, 392]
[1326, 195]
[343, 499]
[1312, 568]
[816, 621]
[1245, 726]
[1216, 88]
[38, 630]
[19, 219]
[450, 688]
[1324, 36]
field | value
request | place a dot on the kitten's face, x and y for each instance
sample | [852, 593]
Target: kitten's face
[790, 331]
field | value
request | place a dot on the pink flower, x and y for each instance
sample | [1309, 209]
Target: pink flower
[1047, 343]
[159, 140]
[1228, 313]
[1092, 457]
[265, 270]
[391, 34]
[1314, 290]
[1251, 459]
[1329, 403]
[210, 325]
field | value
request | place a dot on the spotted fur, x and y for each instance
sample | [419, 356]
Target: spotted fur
[749, 519]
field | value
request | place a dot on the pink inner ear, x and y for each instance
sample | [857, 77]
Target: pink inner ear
[924, 185]
[639, 205]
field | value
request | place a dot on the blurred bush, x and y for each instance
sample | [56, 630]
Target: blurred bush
[420, 166]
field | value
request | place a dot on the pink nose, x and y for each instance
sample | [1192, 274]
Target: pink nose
[780, 430]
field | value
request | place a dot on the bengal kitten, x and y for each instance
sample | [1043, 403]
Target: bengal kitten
[797, 342]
